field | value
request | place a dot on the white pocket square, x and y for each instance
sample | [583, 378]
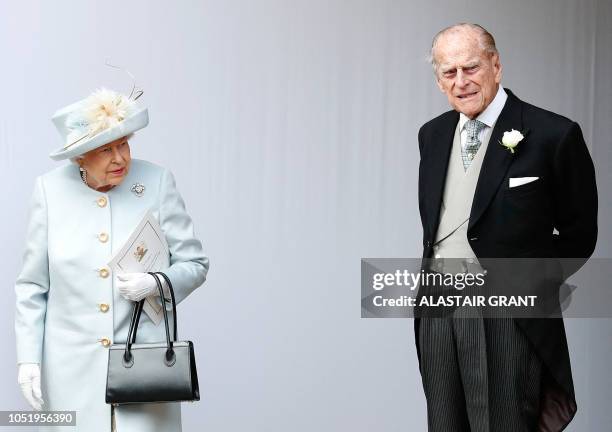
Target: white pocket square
[518, 181]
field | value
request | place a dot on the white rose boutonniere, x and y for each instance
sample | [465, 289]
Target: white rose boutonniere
[511, 139]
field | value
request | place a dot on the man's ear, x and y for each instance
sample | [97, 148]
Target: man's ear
[440, 86]
[497, 67]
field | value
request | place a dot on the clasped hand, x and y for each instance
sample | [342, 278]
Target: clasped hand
[136, 286]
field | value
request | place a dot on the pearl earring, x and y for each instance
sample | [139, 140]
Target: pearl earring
[83, 173]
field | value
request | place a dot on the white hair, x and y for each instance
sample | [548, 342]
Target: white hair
[75, 159]
[486, 40]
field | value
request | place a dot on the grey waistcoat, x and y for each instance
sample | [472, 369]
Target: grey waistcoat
[451, 238]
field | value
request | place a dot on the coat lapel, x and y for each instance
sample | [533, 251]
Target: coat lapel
[497, 159]
[436, 169]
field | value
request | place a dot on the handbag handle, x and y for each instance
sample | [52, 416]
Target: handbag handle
[133, 338]
[173, 302]
[169, 358]
[138, 306]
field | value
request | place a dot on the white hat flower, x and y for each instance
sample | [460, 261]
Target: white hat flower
[102, 110]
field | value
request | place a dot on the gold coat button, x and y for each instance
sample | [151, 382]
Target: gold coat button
[102, 201]
[103, 307]
[103, 272]
[103, 237]
[105, 342]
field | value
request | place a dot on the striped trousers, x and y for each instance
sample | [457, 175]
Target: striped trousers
[479, 375]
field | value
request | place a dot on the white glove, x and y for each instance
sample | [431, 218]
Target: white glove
[136, 286]
[28, 378]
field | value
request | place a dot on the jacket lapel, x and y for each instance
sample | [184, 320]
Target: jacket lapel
[436, 169]
[497, 159]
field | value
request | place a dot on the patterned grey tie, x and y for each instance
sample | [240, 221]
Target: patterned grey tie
[473, 128]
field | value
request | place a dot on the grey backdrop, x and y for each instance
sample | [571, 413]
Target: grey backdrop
[291, 128]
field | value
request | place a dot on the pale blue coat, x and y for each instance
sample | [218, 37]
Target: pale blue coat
[58, 320]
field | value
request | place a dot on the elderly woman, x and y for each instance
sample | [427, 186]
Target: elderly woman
[70, 307]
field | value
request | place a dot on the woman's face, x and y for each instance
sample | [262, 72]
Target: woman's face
[107, 165]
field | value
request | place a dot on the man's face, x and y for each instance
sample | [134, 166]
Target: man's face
[467, 74]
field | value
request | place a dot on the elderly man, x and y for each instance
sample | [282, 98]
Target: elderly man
[480, 199]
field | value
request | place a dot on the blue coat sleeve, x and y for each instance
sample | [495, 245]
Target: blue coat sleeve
[32, 283]
[188, 263]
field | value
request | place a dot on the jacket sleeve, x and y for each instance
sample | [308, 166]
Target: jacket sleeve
[32, 283]
[575, 201]
[188, 263]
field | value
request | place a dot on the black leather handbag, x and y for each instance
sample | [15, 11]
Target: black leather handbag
[152, 372]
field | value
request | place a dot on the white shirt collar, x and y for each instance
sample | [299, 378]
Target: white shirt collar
[490, 114]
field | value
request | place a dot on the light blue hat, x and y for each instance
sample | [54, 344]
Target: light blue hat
[102, 117]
